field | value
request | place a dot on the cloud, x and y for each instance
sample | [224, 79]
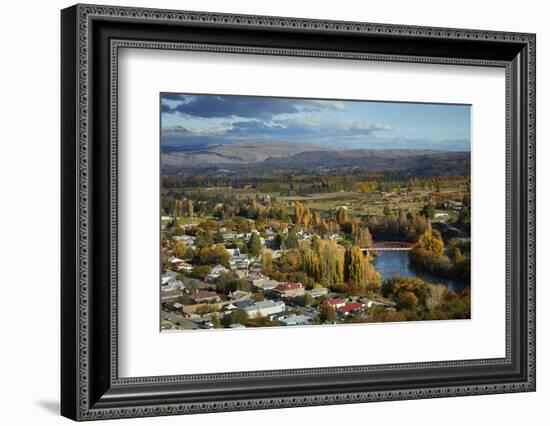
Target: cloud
[212, 106]
[297, 129]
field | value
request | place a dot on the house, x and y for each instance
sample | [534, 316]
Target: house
[350, 308]
[293, 320]
[256, 268]
[241, 304]
[265, 308]
[239, 261]
[177, 285]
[233, 252]
[203, 296]
[216, 272]
[335, 303]
[219, 269]
[265, 284]
[229, 307]
[166, 278]
[454, 205]
[185, 267]
[239, 294]
[317, 292]
[187, 239]
[288, 290]
[175, 261]
[241, 273]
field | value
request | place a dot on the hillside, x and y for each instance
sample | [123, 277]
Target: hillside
[262, 157]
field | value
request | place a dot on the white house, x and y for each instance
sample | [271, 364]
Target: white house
[317, 292]
[265, 308]
[294, 320]
[233, 252]
[216, 272]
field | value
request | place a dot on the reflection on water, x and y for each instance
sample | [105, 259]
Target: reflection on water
[390, 263]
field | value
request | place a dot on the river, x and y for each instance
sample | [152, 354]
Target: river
[390, 263]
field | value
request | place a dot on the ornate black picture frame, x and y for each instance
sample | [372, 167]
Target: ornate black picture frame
[91, 36]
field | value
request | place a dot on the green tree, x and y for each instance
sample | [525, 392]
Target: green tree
[354, 265]
[201, 271]
[429, 210]
[360, 234]
[254, 244]
[291, 240]
[359, 270]
[238, 316]
[307, 299]
[277, 242]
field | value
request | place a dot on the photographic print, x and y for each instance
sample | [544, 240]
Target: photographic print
[280, 212]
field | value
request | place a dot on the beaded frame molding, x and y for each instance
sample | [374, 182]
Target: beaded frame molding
[91, 39]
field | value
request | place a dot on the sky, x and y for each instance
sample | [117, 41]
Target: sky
[188, 120]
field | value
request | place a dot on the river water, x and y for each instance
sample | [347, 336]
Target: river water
[390, 263]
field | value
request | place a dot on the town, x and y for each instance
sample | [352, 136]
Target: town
[254, 253]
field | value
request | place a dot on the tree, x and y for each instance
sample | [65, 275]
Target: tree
[190, 208]
[437, 296]
[358, 269]
[366, 187]
[328, 314]
[387, 210]
[429, 210]
[431, 243]
[323, 261]
[203, 241]
[277, 243]
[212, 256]
[359, 233]
[179, 249]
[307, 299]
[409, 293]
[238, 316]
[342, 215]
[381, 314]
[354, 266]
[254, 244]
[216, 320]
[302, 215]
[267, 259]
[200, 271]
[291, 240]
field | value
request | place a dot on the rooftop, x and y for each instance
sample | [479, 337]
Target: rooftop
[266, 304]
[287, 286]
[203, 294]
[332, 302]
[351, 307]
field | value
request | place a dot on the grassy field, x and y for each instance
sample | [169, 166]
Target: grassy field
[189, 220]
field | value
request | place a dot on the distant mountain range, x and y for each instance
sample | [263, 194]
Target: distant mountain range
[263, 157]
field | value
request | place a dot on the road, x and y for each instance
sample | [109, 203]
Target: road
[176, 319]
